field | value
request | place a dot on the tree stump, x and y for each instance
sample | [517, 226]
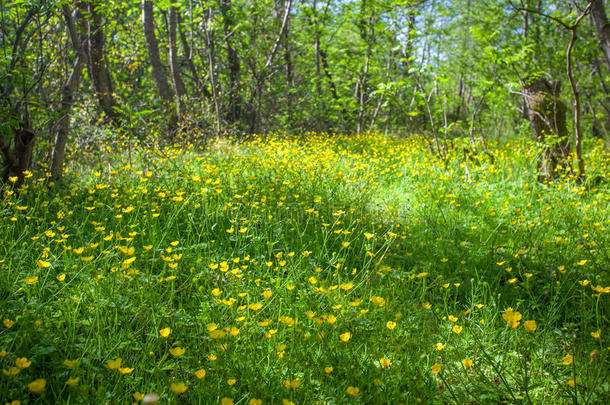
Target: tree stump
[547, 116]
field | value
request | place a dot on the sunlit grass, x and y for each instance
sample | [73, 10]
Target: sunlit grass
[310, 269]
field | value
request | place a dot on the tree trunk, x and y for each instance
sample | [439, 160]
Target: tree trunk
[188, 53]
[598, 13]
[316, 47]
[18, 159]
[211, 62]
[173, 62]
[288, 68]
[367, 33]
[547, 116]
[157, 69]
[63, 123]
[101, 83]
[67, 91]
[235, 102]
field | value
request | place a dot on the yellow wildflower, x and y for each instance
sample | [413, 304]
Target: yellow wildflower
[177, 351]
[37, 386]
[178, 388]
[165, 332]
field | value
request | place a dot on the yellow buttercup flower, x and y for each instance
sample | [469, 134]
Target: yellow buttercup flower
[31, 280]
[435, 368]
[42, 264]
[352, 390]
[218, 334]
[567, 359]
[512, 318]
[165, 332]
[530, 326]
[178, 388]
[12, 371]
[345, 336]
[296, 383]
[467, 363]
[114, 364]
[384, 362]
[439, 346]
[390, 325]
[72, 382]
[125, 370]
[70, 363]
[177, 351]
[37, 386]
[22, 362]
[200, 374]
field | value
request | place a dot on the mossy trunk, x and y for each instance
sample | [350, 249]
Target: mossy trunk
[547, 116]
[18, 158]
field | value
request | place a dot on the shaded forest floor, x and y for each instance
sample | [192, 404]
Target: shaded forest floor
[307, 270]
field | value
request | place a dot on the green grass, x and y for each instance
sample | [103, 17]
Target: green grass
[260, 256]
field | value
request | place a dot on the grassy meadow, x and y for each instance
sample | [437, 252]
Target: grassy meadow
[309, 269]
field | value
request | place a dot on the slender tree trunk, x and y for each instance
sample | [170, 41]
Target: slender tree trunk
[174, 64]
[328, 74]
[366, 33]
[380, 101]
[188, 53]
[63, 123]
[235, 102]
[576, 95]
[598, 13]
[212, 62]
[316, 39]
[288, 68]
[157, 69]
[101, 83]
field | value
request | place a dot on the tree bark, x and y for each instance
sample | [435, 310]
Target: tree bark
[367, 32]
[157, 69]
[63, 123]
[598, 13]
[211, 62]
[18, 159]
[101, 82]
[235, 101]
[547, 116]
[316, 47]
[174, 64]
